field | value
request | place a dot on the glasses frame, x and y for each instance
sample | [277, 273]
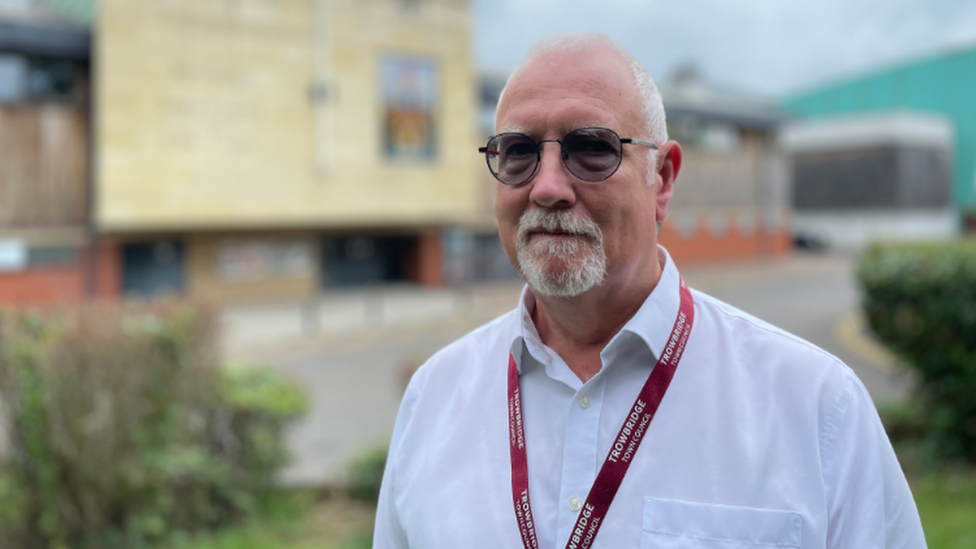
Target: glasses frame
[562, 153]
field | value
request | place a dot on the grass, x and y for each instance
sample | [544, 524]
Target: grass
[298, 521]
[945, 494]
[947, 505]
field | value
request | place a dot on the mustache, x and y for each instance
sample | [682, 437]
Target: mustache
[550, 220]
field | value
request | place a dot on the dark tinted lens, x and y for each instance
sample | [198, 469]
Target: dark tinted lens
[512, 157]
[592, 154]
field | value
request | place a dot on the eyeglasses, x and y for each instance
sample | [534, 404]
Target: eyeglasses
[591, 154]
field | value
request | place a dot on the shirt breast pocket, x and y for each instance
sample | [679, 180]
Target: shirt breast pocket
[673, 524]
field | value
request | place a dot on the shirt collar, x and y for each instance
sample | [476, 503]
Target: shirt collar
[652, 323]
[524, 333]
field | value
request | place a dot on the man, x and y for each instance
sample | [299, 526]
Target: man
[614, 407]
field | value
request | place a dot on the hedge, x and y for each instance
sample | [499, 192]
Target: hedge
[123, 430]
[920, 299]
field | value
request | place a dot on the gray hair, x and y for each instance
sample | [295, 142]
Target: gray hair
[652, 109]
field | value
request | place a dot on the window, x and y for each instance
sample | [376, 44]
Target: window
[409, 88]
[24, 78]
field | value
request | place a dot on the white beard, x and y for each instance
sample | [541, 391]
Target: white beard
[581, 263]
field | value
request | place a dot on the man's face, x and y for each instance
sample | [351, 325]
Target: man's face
[566, 235]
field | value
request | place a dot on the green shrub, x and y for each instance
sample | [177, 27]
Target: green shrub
[365, 474]
[123, 430]
[904, 421]
[921, 301]
[247, 430]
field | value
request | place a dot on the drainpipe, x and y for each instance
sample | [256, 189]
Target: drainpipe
[93, 255]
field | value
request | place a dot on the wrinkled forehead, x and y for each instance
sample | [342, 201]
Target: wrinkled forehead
[580, 79]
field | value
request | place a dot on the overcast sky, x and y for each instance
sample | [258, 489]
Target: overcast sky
[767, 47]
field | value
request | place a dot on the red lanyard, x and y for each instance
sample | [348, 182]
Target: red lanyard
[624, 446]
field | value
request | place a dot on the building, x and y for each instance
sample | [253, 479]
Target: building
[934, 96]
[48, 247]
[878, 176]
[732, 198]
[276, 147]
[273, 148]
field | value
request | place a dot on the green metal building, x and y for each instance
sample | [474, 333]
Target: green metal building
[944, 85]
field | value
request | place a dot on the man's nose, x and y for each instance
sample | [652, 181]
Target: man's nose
[552, 185]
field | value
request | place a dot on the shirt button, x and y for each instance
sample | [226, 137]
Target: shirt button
[575, 503]
[584, 401]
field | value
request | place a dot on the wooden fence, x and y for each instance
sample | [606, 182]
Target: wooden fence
[43, 166]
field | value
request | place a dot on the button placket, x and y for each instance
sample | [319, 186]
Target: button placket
[580, 454]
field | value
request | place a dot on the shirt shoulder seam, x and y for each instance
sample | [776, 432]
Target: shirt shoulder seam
[831, 429]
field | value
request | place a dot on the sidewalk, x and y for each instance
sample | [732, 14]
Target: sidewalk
[268, 329]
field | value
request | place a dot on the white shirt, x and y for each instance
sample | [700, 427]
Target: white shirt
[762, 440]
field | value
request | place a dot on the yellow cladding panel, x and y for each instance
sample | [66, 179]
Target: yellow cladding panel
[207, 116]
[213, 276]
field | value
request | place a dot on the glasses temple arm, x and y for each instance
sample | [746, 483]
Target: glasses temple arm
[639, 142]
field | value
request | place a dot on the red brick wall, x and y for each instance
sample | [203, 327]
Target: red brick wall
[430, 258]
[62, 283]
[423, 262]
[702, 245]
[109, 284]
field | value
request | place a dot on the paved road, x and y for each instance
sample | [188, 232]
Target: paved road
[815, 297]
[357, 366]
[353, 351]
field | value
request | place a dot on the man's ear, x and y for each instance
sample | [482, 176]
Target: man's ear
[667, 172]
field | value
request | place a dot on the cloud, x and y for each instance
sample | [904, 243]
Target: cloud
[767, 47]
